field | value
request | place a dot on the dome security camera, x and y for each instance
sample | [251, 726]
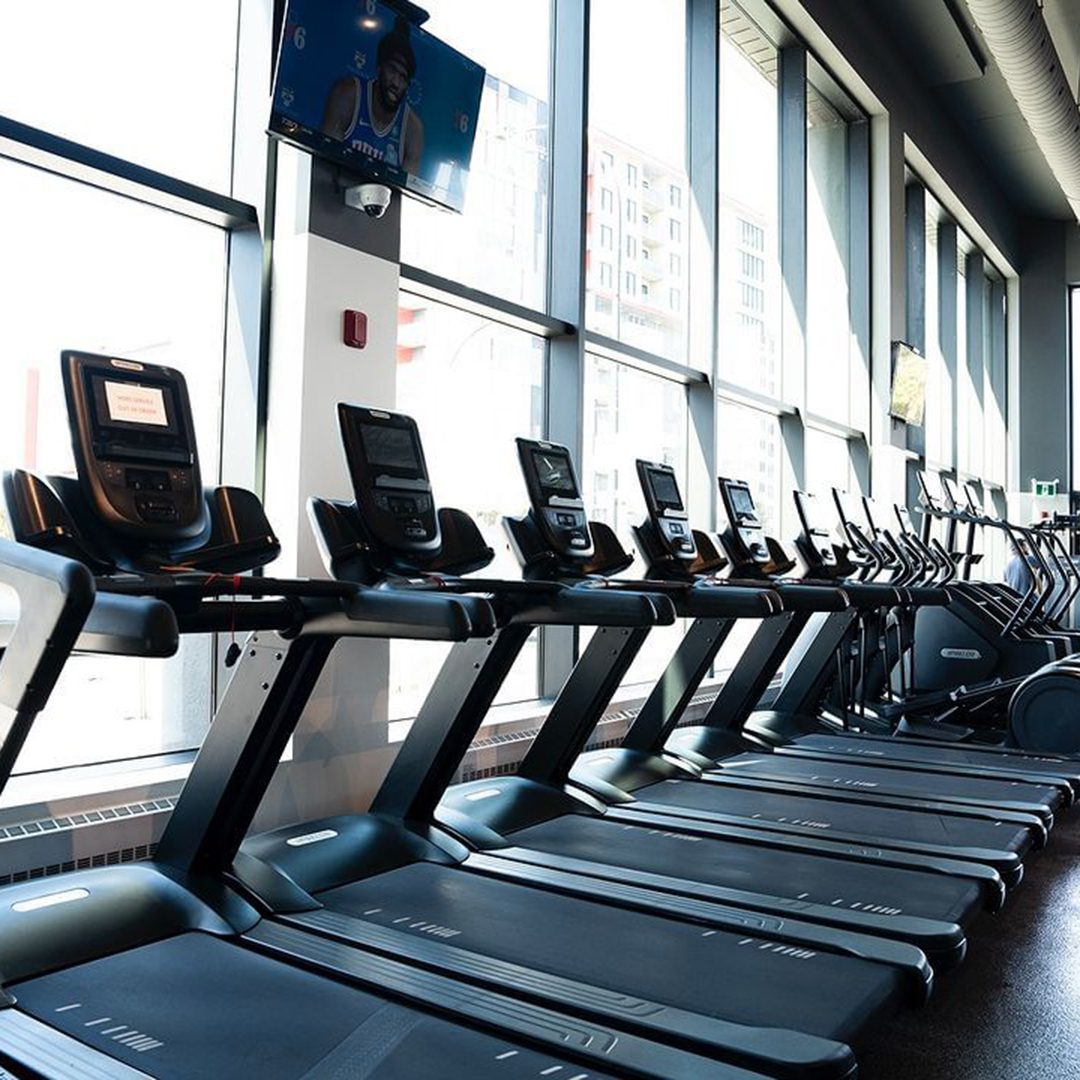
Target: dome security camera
[373, 199]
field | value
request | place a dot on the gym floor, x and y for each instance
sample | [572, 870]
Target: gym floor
[1011, 1011]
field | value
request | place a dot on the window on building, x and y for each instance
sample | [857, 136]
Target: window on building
[675, 231]
[96, 55]
[675, 196]
[647, 132]
[607, 200]
[675, 299]
[606, 237]
[607, 277]
[644, 288]
[748, 148]
[630, 283]
[675, 263]
[837, 378]
[750, 448]
[498, 244]
[631, 247]
[607, 162]
[443, 355]
[629, 415]
[119, 266]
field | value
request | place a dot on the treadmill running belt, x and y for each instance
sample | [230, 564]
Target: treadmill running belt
[195, 1007]
[716, 973]
[951, 754]
[855, 776]
[741, 865]
[823, 816]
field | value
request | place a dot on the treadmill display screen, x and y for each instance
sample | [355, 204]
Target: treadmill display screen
[742, 501]
[390, 447]
[812, 517]
[554, 474]
[665, 491]
[972, 499]
[133, 405]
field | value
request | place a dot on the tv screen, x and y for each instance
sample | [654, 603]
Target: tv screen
[359, 85]
[907, 400]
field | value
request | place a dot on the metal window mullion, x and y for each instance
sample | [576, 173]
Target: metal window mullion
[793, 255]
[565, 382]
[948, 323]
[702, 134]
[915, 244]
[859, 273]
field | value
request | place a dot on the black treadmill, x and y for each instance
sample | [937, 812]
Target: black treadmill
[638, 783]
[770, 876]
[807, 733]
[1032, 792]
[767, 991]
[155, 968]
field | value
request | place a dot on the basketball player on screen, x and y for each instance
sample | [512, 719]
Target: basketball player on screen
[373, 115]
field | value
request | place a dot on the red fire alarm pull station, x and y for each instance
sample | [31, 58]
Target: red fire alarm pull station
[355, 335]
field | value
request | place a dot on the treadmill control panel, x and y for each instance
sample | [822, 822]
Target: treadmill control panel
[555, 497]
[746, 526]
[390, 479]
[816, 529]
[667, 513]
[134, 444]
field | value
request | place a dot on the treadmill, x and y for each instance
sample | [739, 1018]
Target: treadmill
[842, 886]
[772, 992]
[803, 680]
[153, 969]
[640, 783]
[900, 751]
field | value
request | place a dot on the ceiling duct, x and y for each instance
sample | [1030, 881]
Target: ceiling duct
[1017, 37]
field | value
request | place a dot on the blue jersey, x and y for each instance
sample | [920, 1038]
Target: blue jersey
[386, 144]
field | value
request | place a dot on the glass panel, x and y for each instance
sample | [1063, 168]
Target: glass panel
[828, 463]
[86, 269]
[749, 229]
[629, 415]
[472, 386]
[829, 335]
[995, 385]
[750, 448]
[637, 183]
[152, 83]
[939, 387]
[499, 243]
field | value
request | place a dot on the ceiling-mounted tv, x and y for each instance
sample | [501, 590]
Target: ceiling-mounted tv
[907, 398]
[361, 85]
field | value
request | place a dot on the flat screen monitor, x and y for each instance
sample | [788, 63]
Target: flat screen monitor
[907, 400]
[359, 85]
[554, 474]
[664, 490]
[742, 502]
[390, 447]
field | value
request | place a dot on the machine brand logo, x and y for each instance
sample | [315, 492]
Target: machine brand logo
[961, 654]
[311, 838]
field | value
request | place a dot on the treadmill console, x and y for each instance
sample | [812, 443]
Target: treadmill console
[390, 479]
[974, 503]
[930, 493]
[666, 510]
[816, 530]
[903, 516]
[949, 493]
[134, 445]
[555, 497]
[747, 529]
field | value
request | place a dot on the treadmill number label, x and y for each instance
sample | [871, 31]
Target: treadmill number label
[961, 654]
